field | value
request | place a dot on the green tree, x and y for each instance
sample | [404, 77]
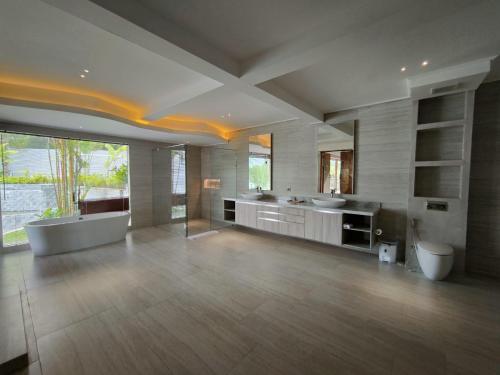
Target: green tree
[260, 175]
[120, 176]
[5, 157]
[115, 153]
[70, 157]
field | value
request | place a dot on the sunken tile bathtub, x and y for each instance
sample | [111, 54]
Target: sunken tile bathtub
[66, 234]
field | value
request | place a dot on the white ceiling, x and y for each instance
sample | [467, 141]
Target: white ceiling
[42, 42]
[365, 68]
[244, 29]
[230, 107]
[97, 125]
[263, 61]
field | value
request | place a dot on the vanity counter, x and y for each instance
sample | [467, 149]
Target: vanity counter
[351, 207]
[351, 226]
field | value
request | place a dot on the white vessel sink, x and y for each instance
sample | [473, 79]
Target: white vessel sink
[329, 202]
[252, 196]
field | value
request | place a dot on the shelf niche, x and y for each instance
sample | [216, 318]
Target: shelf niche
[440, 144]
[438, 182]
[441, 109]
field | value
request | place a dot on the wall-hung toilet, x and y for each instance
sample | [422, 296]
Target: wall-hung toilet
[435, 259]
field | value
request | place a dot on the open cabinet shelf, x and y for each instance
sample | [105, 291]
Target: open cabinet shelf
[229, 211]
[360, 235]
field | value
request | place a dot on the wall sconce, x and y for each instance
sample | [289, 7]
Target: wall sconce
[211, 183]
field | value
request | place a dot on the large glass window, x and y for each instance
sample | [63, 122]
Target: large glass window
[46, 177]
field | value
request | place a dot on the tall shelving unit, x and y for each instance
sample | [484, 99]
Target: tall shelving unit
[439, 171]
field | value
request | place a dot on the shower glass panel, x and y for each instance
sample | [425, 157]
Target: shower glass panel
[223, 171]
[169, 188]
[218, 181]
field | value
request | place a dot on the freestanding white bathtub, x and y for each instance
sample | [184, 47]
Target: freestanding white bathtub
[65, 234]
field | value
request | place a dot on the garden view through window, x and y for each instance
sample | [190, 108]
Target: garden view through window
[47, 177]
[259, 162]
[178, 160]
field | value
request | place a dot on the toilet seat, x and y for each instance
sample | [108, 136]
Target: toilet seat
[435, 248]
[436, 260]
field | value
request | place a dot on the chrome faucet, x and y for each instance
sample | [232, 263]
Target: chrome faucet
[332, 192]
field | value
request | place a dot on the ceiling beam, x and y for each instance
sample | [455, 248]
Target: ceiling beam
[137, 24]
[316, 44]
[166, 105]
[356, 28]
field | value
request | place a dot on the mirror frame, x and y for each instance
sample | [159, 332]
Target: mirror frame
[354, 161]
[271, 172]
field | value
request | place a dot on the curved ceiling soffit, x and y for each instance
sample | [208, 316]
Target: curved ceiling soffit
[47, 95]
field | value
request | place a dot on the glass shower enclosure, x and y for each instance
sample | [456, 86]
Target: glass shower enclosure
[189, 184]
[170, 188]
[218, 181]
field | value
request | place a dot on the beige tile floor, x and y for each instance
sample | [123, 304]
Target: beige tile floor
[243, 302]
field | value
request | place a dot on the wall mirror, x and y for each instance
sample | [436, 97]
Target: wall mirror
[260, 152]
[335, 150]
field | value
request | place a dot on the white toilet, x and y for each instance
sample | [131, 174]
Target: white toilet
[435, 259]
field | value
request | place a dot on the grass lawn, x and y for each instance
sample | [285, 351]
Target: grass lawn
[15, 237]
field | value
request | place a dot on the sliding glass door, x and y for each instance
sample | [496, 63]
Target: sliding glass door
[47, 177]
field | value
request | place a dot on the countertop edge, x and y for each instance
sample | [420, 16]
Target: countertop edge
[365, 212]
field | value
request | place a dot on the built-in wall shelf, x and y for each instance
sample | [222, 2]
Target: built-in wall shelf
[441, 144]
[441, 125]
[438, 181]
[229, 211]
[440, 141]
[441, 109]
[439, 163]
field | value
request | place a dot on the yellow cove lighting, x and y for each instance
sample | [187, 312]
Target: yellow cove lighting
[66, 97]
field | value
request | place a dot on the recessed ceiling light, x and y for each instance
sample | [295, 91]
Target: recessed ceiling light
[425, 63]
[82, 75]
[86, 70]
[403, 69]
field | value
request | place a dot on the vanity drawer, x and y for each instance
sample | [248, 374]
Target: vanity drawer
[269, 225]
[266, 208]
[292, 211]
[292, 218]
[268, 215]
